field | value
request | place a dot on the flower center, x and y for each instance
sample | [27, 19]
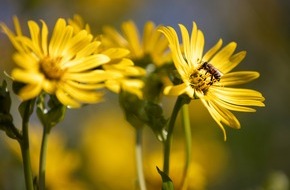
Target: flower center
[51, 68]
[205, 76]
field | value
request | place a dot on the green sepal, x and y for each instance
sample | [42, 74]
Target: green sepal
[141, 112]
[50, 113]
[155, 119]
[133, 108]
[23, 106]
[167, 183]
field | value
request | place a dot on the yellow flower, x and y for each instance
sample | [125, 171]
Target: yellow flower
[121, 68]
[63, 66]
[152, 43]
[209, 77]
[150, 50]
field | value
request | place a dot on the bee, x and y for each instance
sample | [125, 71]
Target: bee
[209, 68]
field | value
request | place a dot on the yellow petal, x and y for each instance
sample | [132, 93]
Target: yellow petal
[88, 50]
[175, 90]
[187, 48]
[56, 38]
[66, 100]
[11, 37]
[116, 53]
[78, 42]
[132, 35]
[81, 95]
[44, 34]
[95, 76]
[86, 86]
[133, 86]
[231, 104]
[238, 93]
[215, 116]
[222, 57]
[210, 53]
[199, 47]
[244, 97]
[179, 62]
[26, 76]
[34, 34]
[239, 77]
[232, 62]
[113, 85]
[87, 63]
[26, 61]
[30, 91]
[17, 26]
[49, 86]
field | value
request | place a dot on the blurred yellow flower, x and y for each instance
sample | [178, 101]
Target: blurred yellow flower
[64, 66]
[202, 170]
[150, 50]
[152, 45]
[78, 24]
[61, 163]
[208, 76]
[109, 154]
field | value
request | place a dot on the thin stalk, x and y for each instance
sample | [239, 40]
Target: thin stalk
[139, 162]
[167, 143]
[42, 158]
[187, 134]
[24, 144]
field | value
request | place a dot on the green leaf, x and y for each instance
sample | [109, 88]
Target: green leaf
[167, 183]
[5, 100]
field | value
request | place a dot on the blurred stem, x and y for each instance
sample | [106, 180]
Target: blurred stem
[167, 143]
[139, 162]
[42, 159]
[187, 133]
[24, 144]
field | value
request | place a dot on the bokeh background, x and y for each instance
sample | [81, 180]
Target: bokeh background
[93, 148]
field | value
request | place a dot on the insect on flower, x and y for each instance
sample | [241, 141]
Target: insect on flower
[214, 72]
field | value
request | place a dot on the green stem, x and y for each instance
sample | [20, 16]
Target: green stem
[42, 159]
[187, 133]
[167, 143]
[139, 162]
[24, 144]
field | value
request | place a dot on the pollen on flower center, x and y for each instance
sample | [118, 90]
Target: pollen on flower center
[50, 67]
[201, 80]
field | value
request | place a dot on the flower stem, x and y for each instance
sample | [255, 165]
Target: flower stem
[167, 143]
[42, 158]
[24, 144]
[187, 133]
[139, 162]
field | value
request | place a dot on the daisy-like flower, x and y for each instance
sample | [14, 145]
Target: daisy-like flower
[62, 65]
[209, 78]
[121, 68]
[148, 51]
[152, 43]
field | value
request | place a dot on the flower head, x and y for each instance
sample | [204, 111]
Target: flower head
[208, 76]
[152, 45]
[63, 65]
